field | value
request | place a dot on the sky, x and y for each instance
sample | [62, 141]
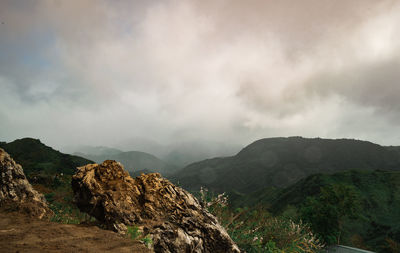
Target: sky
[99, 72]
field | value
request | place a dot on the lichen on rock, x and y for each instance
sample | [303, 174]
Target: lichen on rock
[172, 217]
[17, 192]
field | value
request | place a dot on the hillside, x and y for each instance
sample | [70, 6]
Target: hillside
[40, 162]
[379, 193]
[279, 162]
[133, 161]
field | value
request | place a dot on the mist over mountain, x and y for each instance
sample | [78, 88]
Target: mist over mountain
[178, 153]
[133, 161]
[138, 154]
[90, 150]
[279, 162]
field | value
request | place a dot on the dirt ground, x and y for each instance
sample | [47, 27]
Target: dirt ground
[19, 233]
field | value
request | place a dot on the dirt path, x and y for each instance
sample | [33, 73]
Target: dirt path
[19, 233]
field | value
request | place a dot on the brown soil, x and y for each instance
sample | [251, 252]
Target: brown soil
[20, 233]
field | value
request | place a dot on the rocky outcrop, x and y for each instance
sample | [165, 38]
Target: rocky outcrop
[15, 190]
[172, 217]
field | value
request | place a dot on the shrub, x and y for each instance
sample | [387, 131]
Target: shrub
[326, 212]
[255, 230]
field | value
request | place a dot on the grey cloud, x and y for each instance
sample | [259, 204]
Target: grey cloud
[104, 71]
[300, 27]
[375, 85]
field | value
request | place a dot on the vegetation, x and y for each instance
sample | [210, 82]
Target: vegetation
[255, 230]
[358, 208]
[61, 203]
[327, 211]
[134, 233]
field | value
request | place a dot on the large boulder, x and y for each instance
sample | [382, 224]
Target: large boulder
[16, 193]
[172, 217]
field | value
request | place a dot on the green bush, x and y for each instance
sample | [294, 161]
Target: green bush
[255, 230]
[326, 212]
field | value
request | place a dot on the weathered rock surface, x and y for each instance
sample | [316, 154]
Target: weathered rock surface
[170, 215]
[15, 190]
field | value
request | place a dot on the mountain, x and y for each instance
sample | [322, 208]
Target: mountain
[134, 161]
[41, 162]
[394, 148]
[180, 153]
[90, 150]
[279, 162]
[379, 193]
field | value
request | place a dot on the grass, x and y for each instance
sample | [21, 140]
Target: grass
[60, 201]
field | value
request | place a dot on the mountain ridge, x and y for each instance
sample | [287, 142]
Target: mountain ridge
[281, 161]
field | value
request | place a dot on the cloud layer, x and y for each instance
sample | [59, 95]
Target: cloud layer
[100, 72]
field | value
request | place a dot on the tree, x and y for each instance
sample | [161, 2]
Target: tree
[326, 212]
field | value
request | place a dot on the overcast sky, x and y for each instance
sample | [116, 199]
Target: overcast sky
[100, 72]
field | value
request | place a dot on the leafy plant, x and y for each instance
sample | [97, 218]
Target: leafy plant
[134, 233]
[147, 241]
[255, 230]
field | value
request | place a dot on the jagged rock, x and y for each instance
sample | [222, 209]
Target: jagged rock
[170, 215]
[15, 190]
